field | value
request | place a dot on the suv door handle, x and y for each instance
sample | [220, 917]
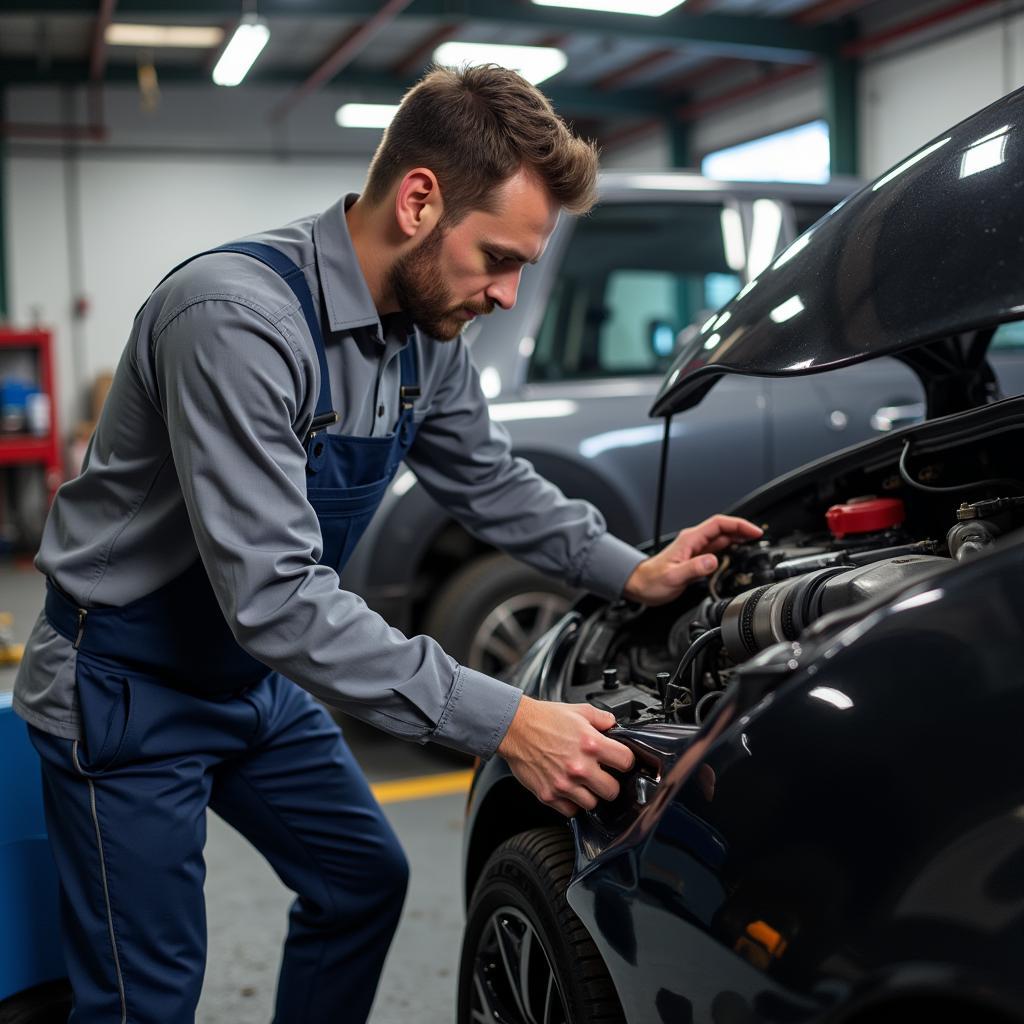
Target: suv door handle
[893, 417]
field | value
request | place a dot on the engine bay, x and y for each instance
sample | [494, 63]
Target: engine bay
[833, 548]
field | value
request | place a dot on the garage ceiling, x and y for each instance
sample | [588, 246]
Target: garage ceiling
[624, 72]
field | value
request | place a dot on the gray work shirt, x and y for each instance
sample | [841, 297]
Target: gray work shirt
[199, 453]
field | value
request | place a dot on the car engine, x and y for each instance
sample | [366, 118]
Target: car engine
[820, 560]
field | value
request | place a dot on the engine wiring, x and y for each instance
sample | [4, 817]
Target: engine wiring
[702, 642]
[717, 575]
[950, 489]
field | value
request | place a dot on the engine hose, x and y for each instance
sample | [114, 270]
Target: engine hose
[698, 645]
[708, 699]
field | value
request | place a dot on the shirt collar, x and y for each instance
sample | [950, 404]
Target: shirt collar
[347, 297]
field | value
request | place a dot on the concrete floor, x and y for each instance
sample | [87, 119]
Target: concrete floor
[247, 905]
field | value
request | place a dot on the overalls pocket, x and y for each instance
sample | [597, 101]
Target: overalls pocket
[344, 513]
[105, 707]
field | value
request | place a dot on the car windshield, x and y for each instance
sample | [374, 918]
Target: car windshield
[633, 277]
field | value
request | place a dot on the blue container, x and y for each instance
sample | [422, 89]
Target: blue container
[14, 394]
[29, 936]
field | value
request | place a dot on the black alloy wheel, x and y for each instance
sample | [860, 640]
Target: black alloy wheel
[526, 958]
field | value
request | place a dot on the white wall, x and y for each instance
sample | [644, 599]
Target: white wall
[138, 215]
[38, 271]
[908, 98]
[908, 92]
[649, 153]
[785, 106]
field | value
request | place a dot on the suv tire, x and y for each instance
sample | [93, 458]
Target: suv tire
[488, 614]
[519, 905]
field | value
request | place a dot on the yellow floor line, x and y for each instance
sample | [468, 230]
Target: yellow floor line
[423, 787]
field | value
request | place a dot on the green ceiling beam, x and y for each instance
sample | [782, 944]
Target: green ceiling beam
[841, 110]
[385, 87]
[680, 142]
[759, 38]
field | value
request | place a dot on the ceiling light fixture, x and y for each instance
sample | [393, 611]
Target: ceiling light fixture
[365, 115]
[534, 63]
[651, 8]
[200, 37]
[241, 52]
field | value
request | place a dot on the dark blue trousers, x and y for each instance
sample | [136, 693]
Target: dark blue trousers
[126, 812]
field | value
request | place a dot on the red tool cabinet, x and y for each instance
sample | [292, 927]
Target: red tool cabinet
[24, 448]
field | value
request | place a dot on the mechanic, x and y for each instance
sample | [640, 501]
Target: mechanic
[267, 394]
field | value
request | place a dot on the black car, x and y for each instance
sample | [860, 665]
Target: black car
[826, 819]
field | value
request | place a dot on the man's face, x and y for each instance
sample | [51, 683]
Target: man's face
[457, 274]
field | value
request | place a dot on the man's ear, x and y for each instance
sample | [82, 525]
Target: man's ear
[418, 203]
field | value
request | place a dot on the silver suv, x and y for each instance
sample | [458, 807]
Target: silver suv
[572, 370]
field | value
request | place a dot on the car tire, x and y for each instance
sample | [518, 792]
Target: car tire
[488, 614]
[44, 1004]
[519, 905]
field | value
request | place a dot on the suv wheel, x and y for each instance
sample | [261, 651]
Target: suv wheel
[526, 959]
[492, 610]
[44, 1004]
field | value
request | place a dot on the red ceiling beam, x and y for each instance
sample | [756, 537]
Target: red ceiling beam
[702, 107]
[347, 50]
[866, 44]
[420, 54]
[630, 132]
[644, 63]
[828, 10]
[98, 50]
[700, 74]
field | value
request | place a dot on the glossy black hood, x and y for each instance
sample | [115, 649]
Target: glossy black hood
[930, 251]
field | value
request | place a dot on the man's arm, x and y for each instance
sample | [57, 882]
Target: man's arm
[464, 461]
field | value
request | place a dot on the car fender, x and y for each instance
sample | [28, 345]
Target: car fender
[916, 849]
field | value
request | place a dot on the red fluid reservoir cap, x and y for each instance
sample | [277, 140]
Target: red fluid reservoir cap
[864, 515]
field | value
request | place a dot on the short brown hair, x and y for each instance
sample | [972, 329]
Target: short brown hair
[475, 127]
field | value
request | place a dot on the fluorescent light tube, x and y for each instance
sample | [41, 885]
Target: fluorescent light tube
[186, 36]
[365, 115]
[652, 8]
[239, 55]
[534, 63]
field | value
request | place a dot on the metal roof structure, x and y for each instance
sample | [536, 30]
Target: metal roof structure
[625, 72]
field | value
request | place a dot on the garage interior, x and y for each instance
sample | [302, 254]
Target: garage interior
[120, 156]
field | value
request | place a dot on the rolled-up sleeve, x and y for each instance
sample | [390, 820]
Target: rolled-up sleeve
[465, 462]
[229, 382]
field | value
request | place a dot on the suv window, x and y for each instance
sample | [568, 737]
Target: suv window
[1008, 336]
[633, 276]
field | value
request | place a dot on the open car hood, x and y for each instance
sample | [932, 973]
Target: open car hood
[921, 264]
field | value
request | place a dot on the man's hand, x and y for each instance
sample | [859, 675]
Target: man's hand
[664, 576]
[556, 751]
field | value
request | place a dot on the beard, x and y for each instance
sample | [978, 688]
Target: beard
[416, 283]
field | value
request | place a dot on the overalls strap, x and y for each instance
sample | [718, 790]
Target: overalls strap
[293, 276]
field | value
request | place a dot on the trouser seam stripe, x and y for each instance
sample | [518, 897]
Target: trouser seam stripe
[106, 887]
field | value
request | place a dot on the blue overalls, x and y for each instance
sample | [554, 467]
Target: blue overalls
[176, 717]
